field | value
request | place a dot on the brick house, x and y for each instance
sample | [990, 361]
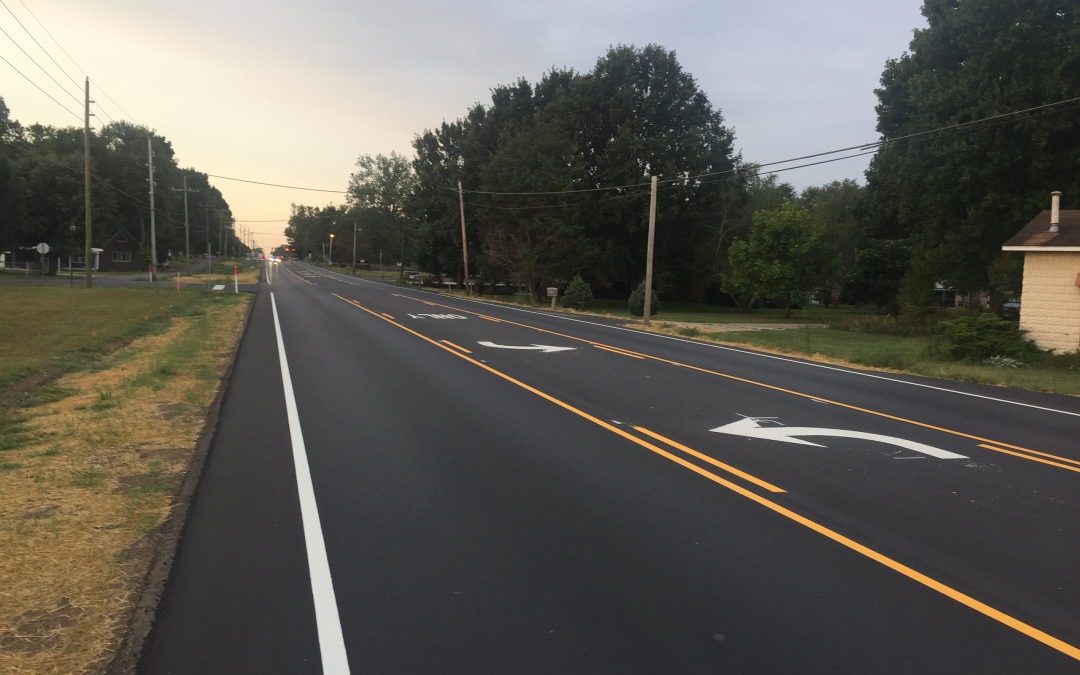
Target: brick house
[121, 253]
[1050, 304]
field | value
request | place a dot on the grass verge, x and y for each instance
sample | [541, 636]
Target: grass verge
[91, 464]
[897, 354]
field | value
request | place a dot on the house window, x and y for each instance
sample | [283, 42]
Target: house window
[119, 256]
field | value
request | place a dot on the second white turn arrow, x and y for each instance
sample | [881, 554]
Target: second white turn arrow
[546, 349]
[750, 428]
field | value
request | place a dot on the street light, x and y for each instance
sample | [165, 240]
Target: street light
[331, 250]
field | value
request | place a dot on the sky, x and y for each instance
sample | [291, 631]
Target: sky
[293, 92]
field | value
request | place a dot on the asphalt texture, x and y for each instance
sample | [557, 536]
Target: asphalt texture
[495, 510]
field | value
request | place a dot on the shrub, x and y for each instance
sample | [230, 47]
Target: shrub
[978, 338]
[637, 302]
[578, 294]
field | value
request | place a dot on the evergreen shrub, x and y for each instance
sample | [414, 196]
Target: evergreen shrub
[578, 294]
[637, 302]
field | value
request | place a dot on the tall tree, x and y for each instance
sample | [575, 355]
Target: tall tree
[958, 196]
[380, 187]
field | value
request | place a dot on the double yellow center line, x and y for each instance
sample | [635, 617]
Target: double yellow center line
[894, 565]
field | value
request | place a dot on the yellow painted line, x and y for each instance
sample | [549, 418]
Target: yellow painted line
[387, 315]
[715, 462]
[1034, 459]
[968, 601]
[489, 318]
[453, 345]
[618, 351]
[792, 392]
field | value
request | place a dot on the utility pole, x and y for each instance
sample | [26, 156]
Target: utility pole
[464, 244]
[187, 229]
[86, 182]
[331, 259]
[208, 254]
[354, 248]
[649, 253]
[153, 231]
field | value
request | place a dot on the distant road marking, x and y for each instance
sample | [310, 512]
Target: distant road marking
[544, 349]
[298, 276]
[387, 315]
[894, 565]
[715, 462]
[1034, 459]
[328, 624]
[219, 287]
[781, 389]
[452, 344]
[749, 352]
[618, 351]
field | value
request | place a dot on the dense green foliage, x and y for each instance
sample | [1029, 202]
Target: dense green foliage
[957, 197]
[785, 257]
[637, 302]
[42, 192]
[880, 265]
[578, 294]
[971, 338]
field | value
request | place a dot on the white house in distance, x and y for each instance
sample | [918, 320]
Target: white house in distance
[1050, 306]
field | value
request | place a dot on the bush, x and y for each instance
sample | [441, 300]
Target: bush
[637, 302]
[978, 338]
[578, 294]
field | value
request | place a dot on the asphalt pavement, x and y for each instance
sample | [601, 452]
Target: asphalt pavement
[431, 484]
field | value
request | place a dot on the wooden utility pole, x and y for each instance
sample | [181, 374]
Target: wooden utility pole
[87, 257]
[153, 231]
[464, 244]
[649, 253]
[187, 228]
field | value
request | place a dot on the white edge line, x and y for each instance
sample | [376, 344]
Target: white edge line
[335, 661]
[753, 353]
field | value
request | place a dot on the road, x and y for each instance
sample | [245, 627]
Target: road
[435, 501]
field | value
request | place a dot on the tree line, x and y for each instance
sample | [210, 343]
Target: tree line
[554, 178]
[42, 191]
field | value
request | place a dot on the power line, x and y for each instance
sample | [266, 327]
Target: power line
[40, 66]
[290, 187]
[39, 88]
[57, 43]
[38, 43]
[953, 129]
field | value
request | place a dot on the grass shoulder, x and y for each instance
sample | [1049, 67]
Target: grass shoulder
[90, 465]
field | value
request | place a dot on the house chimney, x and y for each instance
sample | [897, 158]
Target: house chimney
[1055, 207]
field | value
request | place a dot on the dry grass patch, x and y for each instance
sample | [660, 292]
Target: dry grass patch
[91, 474]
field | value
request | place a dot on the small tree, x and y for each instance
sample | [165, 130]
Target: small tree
[785, 257]
[578, 294]
[637, 302]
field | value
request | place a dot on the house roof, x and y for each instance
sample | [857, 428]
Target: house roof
[1036, 235]
[122, 230]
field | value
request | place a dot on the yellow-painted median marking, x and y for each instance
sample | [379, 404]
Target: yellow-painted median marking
[715, 462]
[1034, 459]
[794, 393]
[618, 351]
[982, 608]
[453, 345]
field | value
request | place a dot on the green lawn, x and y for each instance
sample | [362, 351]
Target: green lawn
[914, 354]
[41, 326]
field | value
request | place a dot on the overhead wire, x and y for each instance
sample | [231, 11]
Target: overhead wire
[57, 43]
[47, 74]
[39, 88]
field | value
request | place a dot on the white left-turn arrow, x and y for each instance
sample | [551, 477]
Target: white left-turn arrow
[750, 428]
[546, 349]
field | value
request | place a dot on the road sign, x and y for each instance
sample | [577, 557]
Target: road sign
[553, 292]
[42, 248]
[750, 428]
[546, 349]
